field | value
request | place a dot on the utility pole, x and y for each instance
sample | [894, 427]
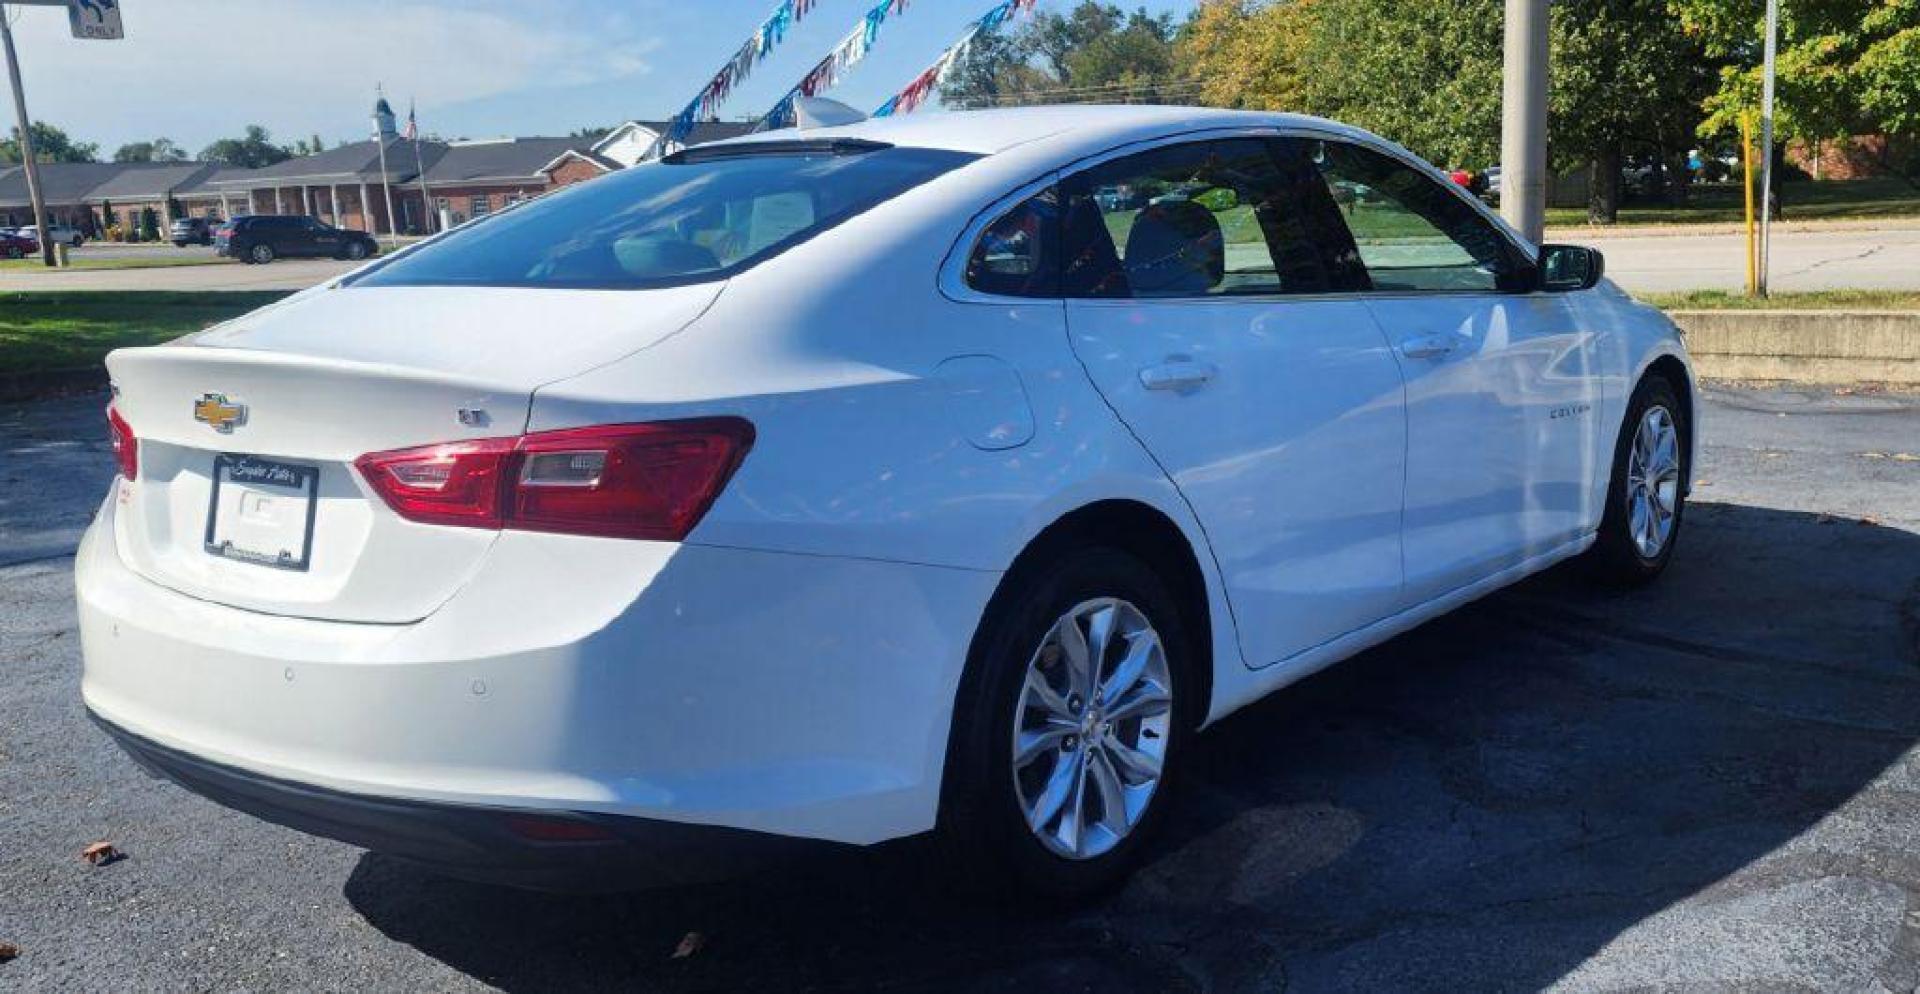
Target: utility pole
[1766, 145]
[1523, 119]
[26, 142]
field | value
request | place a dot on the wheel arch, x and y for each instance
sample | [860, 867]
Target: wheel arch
[1675, 371]
[1132, 526]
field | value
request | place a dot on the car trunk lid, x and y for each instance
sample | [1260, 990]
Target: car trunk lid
[246, 492]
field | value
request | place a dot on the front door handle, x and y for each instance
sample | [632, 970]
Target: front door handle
[1428, 346]
[1177, 373]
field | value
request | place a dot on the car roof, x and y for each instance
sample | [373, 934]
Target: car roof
[986, 132]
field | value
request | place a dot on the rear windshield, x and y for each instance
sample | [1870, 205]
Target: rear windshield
[704, 217]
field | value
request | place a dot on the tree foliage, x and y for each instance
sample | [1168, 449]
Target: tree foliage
[1425, 74]
[1844, 66]
[252, 150]
[1246, 54]
[157, 150]
[1093, 53]
[50, 144]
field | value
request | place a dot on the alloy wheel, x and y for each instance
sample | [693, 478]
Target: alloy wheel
[1653, 482]
[1091, 728]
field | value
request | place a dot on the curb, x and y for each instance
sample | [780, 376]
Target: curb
[1817, 347]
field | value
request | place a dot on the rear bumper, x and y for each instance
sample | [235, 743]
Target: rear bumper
[804, 696]
[540, 850]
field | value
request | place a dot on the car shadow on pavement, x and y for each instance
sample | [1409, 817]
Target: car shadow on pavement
[1487, 802]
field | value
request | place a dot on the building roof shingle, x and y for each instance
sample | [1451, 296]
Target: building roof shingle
[353, 163]
[514, 158]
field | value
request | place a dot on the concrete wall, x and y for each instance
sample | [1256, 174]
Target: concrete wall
[1805, 346]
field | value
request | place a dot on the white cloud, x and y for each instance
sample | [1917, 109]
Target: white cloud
[199, 69]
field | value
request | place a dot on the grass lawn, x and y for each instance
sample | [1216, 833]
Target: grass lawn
[1724, 203]
[1819, 300]
[108, 262]
[42, 332]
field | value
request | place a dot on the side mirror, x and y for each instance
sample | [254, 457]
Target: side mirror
[1570, 267]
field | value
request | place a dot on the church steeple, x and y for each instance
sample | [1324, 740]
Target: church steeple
[383, 120]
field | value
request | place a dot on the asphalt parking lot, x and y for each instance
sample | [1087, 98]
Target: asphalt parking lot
[1713, 783]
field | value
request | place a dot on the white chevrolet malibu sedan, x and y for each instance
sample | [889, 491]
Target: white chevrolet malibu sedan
[835, 486]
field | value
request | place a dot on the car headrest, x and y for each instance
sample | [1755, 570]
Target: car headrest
[1175, 248]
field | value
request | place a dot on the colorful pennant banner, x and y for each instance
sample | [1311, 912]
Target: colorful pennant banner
[771, 33]
[828, 72]
[909, 99]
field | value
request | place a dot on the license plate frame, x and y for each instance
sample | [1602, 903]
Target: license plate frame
[275, 478]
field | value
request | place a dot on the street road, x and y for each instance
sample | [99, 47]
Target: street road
[1825, 257]
[1819, 258]
[1709, 784]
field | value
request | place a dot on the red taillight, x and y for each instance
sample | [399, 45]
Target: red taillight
[649, 481]
[126, 448]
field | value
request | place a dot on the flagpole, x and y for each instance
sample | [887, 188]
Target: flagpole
[420, 173]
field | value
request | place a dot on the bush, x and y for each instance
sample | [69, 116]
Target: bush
[149, 225]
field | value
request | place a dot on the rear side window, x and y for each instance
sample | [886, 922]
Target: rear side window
[1018, 255]
[691, 220]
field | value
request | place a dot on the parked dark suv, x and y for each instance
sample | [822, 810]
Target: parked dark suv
[266, 237]
[192, 230]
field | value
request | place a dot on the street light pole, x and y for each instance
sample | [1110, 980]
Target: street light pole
[26, 142]
[1523, 119]
[1766, 144]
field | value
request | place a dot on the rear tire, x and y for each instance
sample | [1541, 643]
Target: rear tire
[1647, 496]
[261, 254]
[1086, 737]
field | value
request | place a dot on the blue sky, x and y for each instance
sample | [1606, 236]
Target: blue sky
[196, 70]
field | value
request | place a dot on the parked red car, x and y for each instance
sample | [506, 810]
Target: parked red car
[15, 246]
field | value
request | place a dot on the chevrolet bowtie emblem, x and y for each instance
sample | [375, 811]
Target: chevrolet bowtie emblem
[216, 410]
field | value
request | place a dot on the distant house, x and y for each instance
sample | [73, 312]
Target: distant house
[633, 142]
[473, 178]
[64, 188]
[138, 187]
[345, 186]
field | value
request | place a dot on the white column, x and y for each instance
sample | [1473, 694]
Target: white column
[366, 211]
[333, 204]
[226, 208]
[279, 200]
[306, 195]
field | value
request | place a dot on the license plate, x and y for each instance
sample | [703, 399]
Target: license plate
[261, 511]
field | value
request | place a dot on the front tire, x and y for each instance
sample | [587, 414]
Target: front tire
[356, 251]
[1071, 726]
[1647, 496]
[261, 254]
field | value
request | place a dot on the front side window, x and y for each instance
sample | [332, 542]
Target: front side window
[1411, 232]
[1209, 218]
[686, 219]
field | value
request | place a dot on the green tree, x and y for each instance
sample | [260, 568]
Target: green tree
[252, 150]
[1624, 72]
[590, 133]
[1246, 54]
[157, 150]
[50, 144]
[1426, 75]
[1845, 67]
[1093, 53]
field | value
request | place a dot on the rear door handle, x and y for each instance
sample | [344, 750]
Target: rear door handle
[1428, 346]
[1177, 374]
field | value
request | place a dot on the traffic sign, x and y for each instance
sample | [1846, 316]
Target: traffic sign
[96, 19]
